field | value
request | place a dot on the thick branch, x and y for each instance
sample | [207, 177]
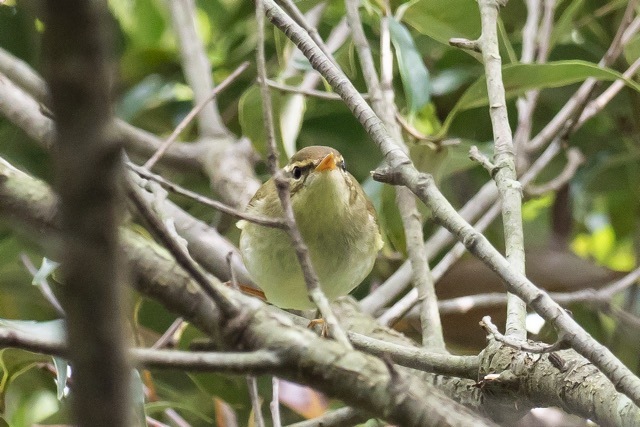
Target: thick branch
[361, 380]
[89, 172]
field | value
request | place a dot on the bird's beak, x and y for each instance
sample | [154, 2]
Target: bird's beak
[328, 163]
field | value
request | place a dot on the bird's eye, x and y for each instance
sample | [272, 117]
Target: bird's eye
[343, 165]
[296, 172]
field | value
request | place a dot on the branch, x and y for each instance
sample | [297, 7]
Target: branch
[282, 186]
[428, 361]
[358, 379]
[196, 67]
[590, 296]
[343, 417]
[194, 111]
[256, 363]
[88, 172]
[575, 159]
[19, 78]
[504, 157]
[382, 99]
[400, 171]
[171, 186]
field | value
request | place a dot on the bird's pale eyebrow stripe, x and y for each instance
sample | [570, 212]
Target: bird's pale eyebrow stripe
[304, 166]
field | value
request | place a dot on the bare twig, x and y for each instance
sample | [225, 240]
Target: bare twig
[590, 296]
[169, 336]
[274, 405]
[400, 171]
[342, 417]
[382, 97]
[575, 159]
[482, 160]
[466, 44]
[256, 401]
[432, 360]
[595, 106]
[519, 344]
[194, 111]
[171, 186]
[282, 185]
[504, 158]
[226, 306]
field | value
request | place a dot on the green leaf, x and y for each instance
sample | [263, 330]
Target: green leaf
[444, 19]
[520, 78]
[250, 115]
[13, 363]
[142, 20]
[414, 74]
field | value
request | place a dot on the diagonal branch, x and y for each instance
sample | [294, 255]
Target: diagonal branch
[400, 171]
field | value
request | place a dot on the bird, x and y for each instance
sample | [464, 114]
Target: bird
[337, 222]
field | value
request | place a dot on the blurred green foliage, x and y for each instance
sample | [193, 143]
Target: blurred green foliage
[440, 90]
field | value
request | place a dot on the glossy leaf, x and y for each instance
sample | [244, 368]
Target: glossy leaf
[520, 78]
[414, 74]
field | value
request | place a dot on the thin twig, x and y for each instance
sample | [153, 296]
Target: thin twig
[282, 186]
[192, 114]
[400, 171]
[575, 159]
[494, 299]
[598, 104]
[432, 360]
[519, 344]
[482, 160]
[330, 96]
[256, 401]
[466, 44]
[168, 337]
[226, 306]
[171, 186]
[382, 97]
[338, 417]
[274, 406]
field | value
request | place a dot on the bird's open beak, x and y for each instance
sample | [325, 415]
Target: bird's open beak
[328, 163]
